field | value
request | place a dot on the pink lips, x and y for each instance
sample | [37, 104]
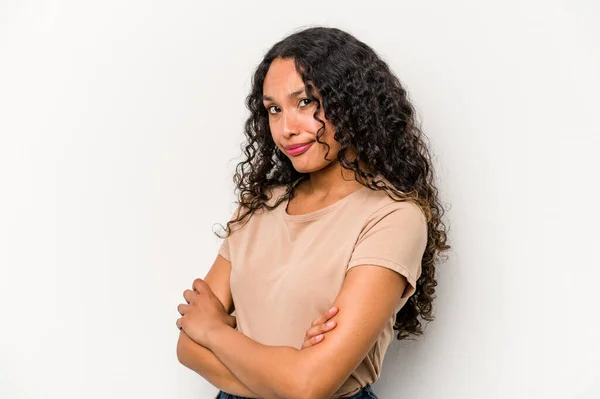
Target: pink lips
[297, 149]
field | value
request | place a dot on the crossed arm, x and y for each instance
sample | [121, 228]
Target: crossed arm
[241, 366]
[202, 360]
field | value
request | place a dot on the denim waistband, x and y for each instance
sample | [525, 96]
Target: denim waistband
[365, 393]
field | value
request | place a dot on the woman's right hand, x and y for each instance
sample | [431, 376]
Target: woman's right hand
[319, 327]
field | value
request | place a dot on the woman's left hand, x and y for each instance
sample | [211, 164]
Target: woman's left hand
[202, 314]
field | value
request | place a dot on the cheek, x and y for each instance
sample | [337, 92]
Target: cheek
[275, 130]
[329, 139]
[309, 123]
[328, 135]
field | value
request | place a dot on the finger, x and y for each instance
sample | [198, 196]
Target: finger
[320, 329]
[312, 341]
[189, 295]
[178, 323]
[198, 285]
[325, 316]
[182, 308]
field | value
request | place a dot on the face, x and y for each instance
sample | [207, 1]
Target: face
[291, 119]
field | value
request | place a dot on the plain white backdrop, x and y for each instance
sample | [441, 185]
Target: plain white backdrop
[120, 127]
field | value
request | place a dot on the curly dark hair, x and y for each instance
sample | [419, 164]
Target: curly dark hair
[373, 118]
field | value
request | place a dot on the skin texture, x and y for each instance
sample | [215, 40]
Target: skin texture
[365, 303]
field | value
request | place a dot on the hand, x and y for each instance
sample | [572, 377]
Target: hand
[319, 327]
[203, 313]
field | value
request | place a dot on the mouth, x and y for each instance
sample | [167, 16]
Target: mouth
[297, 149]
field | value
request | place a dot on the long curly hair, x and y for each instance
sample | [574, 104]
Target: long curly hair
[374, 118]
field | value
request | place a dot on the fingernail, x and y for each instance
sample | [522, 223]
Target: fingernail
[330, 323]
[319, 337]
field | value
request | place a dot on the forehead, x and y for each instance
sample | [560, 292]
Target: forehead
[282, 77]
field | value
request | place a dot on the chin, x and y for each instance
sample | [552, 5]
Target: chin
[302, 168]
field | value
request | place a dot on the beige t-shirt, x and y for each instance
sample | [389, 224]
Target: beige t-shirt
[288, 269]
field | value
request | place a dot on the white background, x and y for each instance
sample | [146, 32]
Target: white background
[120, 127]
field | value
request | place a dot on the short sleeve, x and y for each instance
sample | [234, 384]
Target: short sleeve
[394, 237]
[224, 249]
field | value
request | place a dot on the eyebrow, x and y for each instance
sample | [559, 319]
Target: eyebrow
[296, 93]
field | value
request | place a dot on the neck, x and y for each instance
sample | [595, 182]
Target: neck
[333, 179]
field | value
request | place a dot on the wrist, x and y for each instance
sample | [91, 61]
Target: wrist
[213, 335]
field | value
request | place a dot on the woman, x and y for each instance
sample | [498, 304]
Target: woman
[337, 206]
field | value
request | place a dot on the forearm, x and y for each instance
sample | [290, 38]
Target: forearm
[271, 372]
[205, 363]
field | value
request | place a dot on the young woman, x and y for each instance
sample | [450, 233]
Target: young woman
[338, 221]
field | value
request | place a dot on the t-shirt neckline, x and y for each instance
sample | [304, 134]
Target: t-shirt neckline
[319, 212]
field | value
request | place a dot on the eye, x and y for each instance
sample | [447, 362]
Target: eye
[305, 101]
[273, 109]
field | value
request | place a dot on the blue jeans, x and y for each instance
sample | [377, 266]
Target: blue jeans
[364, 393]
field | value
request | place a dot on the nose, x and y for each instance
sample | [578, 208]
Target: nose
[290, 123]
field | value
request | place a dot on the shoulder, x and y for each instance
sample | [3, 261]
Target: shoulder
[380, 205]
